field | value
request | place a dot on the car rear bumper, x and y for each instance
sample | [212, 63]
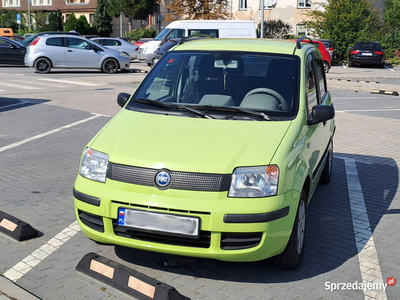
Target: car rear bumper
[366, 60]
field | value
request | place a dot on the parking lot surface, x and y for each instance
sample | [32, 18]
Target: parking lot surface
[352, 232]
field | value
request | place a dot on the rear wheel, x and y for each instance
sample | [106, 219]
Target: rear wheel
[42, 65]
[326, 67]
[149, 64]
[292, 256]
[350, 65]
[110, 65]
[327, 172]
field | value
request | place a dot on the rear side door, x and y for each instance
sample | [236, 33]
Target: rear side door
[81, 53]
[57, 47]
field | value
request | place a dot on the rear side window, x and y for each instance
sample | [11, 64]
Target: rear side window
[111, 43]
[212, 32]
[57, 41]
[367, 46]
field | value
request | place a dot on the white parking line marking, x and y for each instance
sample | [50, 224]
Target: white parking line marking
[390, 69]
[23, 87]
[43, 83]
[360, 98]
[367, 110]
[367, 255]
[70, 82]
[47, 133]
[344, 67]
[33, 259]
[15, 104]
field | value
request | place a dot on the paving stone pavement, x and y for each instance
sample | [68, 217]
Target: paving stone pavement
[36, 186]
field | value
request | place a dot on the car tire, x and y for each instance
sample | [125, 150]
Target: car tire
[42, 65]
[327, 172]
[149, 65]
[326, 67]
[152, 63]
[292, 256]
[110, 66]
[350, 65]
[382, 65]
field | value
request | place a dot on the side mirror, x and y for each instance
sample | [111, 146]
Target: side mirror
[123, 98]
[384, 48]
[350, 47]
[321, 113]
[13, 46]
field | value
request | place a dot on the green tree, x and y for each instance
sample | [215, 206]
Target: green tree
[133, 9]
[102, 19]
[54, 21]
[391, 34]
[71, 23]
[344, 22]
[198, 10]
[274, 29]
[8, 19]
[82, 25]
[142, 32]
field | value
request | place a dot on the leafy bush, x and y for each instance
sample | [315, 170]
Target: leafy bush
[137, 34]
[275, 29]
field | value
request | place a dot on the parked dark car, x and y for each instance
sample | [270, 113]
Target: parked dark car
[367, 53]
[29, 39]
[11, 52]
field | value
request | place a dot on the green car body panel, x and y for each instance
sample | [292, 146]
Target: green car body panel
[211, 146]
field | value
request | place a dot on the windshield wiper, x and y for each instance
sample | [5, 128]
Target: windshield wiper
[236, 109]
[152, 102]
[195, 111]
[164, 105]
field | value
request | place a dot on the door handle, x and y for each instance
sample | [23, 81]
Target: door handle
[70, 51]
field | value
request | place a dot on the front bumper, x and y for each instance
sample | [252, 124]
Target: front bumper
[223, 220]
[145, 57]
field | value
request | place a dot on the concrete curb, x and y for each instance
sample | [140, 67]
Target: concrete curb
[13, 291]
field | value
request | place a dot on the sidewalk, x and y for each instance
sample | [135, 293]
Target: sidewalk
[11, 291]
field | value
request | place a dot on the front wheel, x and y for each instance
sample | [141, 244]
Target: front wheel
[42, 65]
[292, 256]
[110, 65]
[326, 67]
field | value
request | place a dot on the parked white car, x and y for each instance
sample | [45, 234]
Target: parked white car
[62, 51]
[119, 45]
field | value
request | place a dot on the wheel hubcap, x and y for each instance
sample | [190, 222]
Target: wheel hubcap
[110, 66]
[301, 225]
[42, 65]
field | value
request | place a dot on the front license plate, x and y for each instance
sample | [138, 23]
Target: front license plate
[366, 54]
[159, 222]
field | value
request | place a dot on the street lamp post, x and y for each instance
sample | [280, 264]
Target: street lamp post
[262, 20]
[29, 15]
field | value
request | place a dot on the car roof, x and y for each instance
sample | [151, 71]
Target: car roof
[245, 45]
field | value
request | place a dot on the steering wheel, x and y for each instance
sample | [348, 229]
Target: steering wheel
[278, 96]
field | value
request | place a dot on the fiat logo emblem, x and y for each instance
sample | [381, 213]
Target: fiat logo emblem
[162, 179]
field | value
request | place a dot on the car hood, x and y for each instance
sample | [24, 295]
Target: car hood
[150, 45]
[188, 144]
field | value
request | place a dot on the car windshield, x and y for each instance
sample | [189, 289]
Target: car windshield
[162, 34]
[262, 82]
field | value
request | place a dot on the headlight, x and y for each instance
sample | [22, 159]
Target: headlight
[123, 54]
[253, 182]
[94, 165]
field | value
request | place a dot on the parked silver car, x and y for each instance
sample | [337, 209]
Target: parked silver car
[62, 51]
[119, 45]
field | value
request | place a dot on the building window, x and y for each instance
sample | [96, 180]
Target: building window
[243, 4]
[302, 30]
[11, 3]
[91, 18]
[67, 17]
[268, 4]
[304, 3]
[41, 2]
[76, 1]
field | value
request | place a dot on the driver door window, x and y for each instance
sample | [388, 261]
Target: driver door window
[311, 86]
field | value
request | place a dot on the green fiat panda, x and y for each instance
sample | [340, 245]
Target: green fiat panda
[216, 154]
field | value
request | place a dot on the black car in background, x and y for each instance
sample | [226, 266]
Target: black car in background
[11, 52]
[367, 53]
